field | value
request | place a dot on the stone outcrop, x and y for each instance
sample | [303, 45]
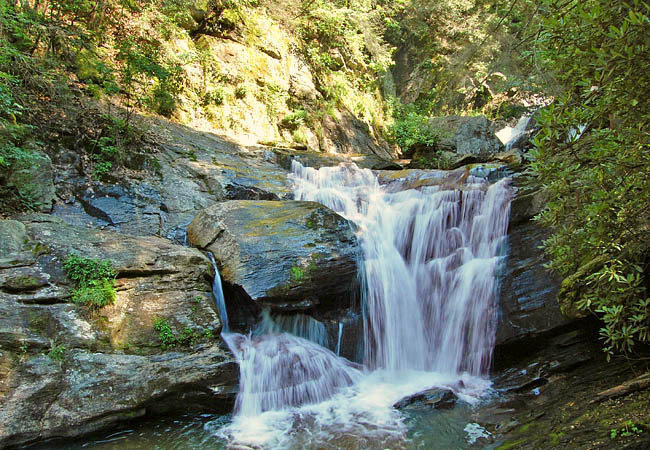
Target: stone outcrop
[528, 304]
[66, 369]
[189, 171]
[288, 255]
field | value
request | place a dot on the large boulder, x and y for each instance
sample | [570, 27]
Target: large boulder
[84, 391]
[346, 134]
[288, 255]
[190, 171]
[66, 369]
[467, 135]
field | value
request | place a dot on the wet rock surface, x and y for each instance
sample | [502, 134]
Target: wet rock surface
[287, 255]
[431, 398]
[549, 391]
[528, 303]
[528, 296]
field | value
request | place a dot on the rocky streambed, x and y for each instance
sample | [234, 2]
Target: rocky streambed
[66, 370]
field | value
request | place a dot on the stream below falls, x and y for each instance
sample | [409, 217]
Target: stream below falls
[432, 249]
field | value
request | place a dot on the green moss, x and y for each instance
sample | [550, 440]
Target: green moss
[37, 323]
[511, 444]
[555, 438]
[24, 282]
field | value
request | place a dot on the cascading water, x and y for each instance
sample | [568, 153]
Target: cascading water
[431, 249]
[430, 257]
[299, 325]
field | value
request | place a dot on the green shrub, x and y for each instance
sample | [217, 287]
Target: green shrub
[240, 92]
[411, 129]
[97, 293]
[94, 280]
[169, 339]
[213, 97]
[294, 120]
[592, 157]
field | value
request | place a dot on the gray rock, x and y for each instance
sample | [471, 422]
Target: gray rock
[88, 391]
[437, 398]
[528, 303]
[466, 135]
[284, 157]
[110, 366]
[192, 170]
[476, 136]
[12, 237]
[289, 255]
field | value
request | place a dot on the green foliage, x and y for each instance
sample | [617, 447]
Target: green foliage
[411, 129]
[213, 97]
[56, 351]
[169, 339]
[165, 333]
[629, 428]
[94, 280]
[240, 92]
[593, 158]
[294, 120]
[297, 274]
[96, 294]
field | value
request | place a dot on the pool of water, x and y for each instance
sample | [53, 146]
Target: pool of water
[423, 428]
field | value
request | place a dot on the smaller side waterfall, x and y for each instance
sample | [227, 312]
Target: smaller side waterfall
[338, 340]
[510, 135]
[219, 299]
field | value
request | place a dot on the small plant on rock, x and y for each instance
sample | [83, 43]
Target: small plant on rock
[629, 428]
[56, 352]
[165, 333]
[94, 280]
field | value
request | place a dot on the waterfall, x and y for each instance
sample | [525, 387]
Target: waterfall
[430, 257]
[299, 325]
[338, 339]
[219, 299]
[509, 135]
[431, 249]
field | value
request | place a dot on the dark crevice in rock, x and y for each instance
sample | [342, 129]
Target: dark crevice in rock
[140, 273]
[236, 191]
[243, 311]
[45, 301]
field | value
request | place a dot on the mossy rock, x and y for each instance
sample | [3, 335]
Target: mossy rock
[33, 178]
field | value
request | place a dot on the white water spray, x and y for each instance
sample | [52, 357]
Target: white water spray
[430, 257]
